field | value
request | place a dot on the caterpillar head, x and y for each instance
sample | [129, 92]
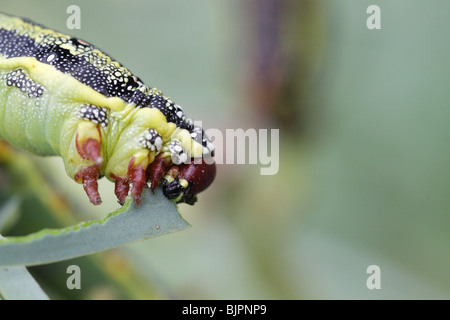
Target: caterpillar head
[187, 172]
[190, 179]
[152, 150]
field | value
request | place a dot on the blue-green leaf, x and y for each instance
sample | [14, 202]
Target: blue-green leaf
[9, 213]
[154, 217]
[17, 284]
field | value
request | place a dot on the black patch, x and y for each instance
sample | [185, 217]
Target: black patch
[95, 114]
[159, 103]
[174, 189]
[13, 45]
[149, 140]
[189, 126]
[18, 78]
[88, 67]
[90, 70]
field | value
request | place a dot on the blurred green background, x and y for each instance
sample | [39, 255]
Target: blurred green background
[364, 173]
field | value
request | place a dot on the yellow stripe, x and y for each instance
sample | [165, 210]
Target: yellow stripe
[62, 85]
[32, 31]
[43, 36]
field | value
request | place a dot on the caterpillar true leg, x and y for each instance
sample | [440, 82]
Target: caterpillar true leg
[156, 170]
[91, 149]
[88, 177]
[139, 181]
[88, 148]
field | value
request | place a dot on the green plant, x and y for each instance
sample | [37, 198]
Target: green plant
[27, 197]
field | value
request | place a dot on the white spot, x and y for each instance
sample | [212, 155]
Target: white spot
[158, 143]
[182, 157]
[51, 57]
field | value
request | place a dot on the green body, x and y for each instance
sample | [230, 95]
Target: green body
[49, 123]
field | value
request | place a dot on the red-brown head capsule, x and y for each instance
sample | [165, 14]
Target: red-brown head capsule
[192, 179]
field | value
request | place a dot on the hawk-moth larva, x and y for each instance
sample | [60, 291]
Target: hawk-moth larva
[60, 95]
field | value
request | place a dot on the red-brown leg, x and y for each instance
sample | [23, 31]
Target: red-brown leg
[90, 149]
[93, 150]
[157, 169]
[89, 176]
[139, 181]
[122, 186]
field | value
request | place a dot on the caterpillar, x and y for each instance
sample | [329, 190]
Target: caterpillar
[62, 96]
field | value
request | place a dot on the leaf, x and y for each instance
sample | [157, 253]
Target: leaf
[154, 217]
[16, 283]
[9, 213]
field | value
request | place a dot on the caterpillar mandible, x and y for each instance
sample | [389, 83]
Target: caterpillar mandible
[60, 95]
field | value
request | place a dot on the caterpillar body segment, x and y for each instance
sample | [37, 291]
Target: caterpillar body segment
[62, 96]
